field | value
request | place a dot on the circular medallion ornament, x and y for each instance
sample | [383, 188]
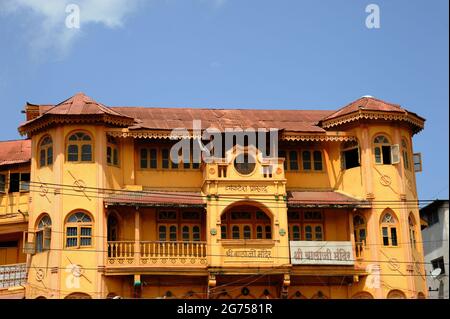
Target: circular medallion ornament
[212, 171]
[213, 231]
[282, 232]
[40, 274]
[279, 171]
[385, 180]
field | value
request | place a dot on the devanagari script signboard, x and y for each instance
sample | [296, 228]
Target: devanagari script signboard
[321, 253]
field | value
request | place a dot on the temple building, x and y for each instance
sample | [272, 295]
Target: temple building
[146, 202]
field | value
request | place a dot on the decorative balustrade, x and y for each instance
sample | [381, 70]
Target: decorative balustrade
[156, 253]
[13, 275]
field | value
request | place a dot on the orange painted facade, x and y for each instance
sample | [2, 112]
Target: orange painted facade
[333, 215]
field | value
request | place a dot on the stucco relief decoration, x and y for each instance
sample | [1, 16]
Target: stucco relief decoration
[40, 274]
[385, 180]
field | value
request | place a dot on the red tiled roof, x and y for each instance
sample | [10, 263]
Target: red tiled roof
[366, 103]
[169, 118]
[322, 198]
[158, 118]
[15, 152]
[155, 199]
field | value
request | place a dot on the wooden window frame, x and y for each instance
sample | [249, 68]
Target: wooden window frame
[114, 148]
[78, 226]
[80, 144]
[303, 222]
[389, 226]
[253, 222]
[46, 148]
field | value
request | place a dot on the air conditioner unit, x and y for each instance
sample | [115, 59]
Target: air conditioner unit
[29, 248]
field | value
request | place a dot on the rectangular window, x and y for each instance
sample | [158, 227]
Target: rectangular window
[394, 236]
[72, 237]
[115, 156]
[306, 160]
[2, 183]
[293, 161]
[377, 155]
[109, 155]
[85, 236]
[42, 159]
[223, 232]
[14, 182]
[86, 153]
[165, 158]
[144, 159]
[25, 182]
[153, 158]
[317, 160]
[351, 158]
[385, 236]
[386, 150]
[417, 158]
[72, 153]
[50, 156]
[39, 241]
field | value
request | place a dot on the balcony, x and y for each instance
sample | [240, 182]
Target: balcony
[156, 254]
[13, 275]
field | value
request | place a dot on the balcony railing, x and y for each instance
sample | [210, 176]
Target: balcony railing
[360, 247]
[13, 275]
[156, 253]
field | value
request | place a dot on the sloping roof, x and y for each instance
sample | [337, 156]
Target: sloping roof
[323, 199]
[366, 103]
[170, 118]
[155, 199]
[159, 118]
[15, 152]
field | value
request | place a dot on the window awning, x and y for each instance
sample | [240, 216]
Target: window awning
[155, 199]
[325, 199]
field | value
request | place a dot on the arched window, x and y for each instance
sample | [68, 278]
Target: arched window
[412, 230]
[362, 295]
[389, 230]
[350, 155]
[112, 151]
[43, 234]
[79, 147]
[382, 150]
[405, 153]
[396, 294]
[246, 222]
[78, 230]
[46, 151]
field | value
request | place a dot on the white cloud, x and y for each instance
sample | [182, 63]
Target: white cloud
[44, 20]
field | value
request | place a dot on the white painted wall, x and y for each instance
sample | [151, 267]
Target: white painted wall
[435, 244]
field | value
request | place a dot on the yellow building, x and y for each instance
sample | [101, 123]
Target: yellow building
[332, 214]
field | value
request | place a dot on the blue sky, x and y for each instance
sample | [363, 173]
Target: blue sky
[286, 54]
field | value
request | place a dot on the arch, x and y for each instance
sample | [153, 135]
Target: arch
[78, 295]
[79, 226]
[246, 202]
[79, 147]
[362, 295]
[246, 220]
[389, 225]
[43, 233]
[41, 297]
[192, 295]
[382, 149]
[266, 294]
[421, 295]
[45, 151]
[396, 294]
[111, 295]
[223, 295]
